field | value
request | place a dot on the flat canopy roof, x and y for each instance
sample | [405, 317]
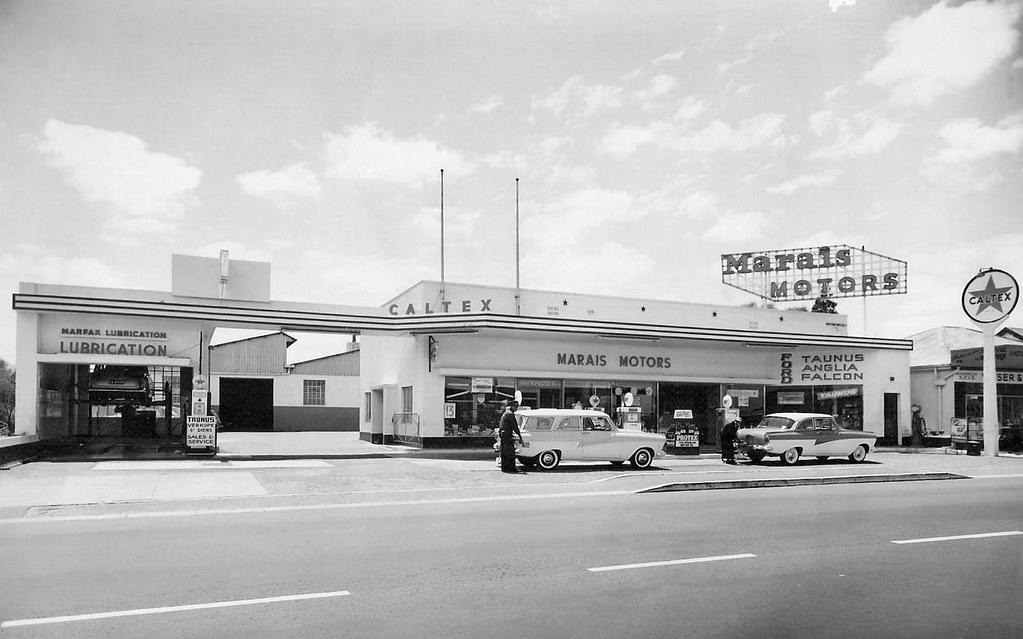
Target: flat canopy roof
[304, 319]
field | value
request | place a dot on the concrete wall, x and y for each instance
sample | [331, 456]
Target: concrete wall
[316, 418]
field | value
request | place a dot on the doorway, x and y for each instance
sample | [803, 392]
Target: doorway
[246, 404]
[891, 420]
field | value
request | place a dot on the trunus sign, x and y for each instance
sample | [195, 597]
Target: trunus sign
[834, 271]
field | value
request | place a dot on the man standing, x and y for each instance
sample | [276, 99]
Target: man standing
[509, 430]
[728, 432]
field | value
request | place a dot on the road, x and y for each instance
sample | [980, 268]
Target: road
[815, 561]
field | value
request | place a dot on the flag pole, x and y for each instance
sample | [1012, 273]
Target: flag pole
[442, 298]
[518, 296]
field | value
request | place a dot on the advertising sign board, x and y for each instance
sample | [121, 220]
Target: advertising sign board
[201, 433]
[832, 271]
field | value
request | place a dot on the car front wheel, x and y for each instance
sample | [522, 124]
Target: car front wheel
[790, 457]
[859, 454]
[548, 460]
[642, 458]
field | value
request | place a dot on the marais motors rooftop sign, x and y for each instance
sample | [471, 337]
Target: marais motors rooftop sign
[835, 271]
[990, 296]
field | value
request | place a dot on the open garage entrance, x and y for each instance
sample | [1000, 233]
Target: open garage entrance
[246, 404]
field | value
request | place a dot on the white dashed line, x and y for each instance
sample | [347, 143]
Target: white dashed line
[158, 611]
[673, 562]
[926, 540]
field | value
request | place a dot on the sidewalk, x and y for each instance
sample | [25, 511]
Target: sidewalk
[316, 470]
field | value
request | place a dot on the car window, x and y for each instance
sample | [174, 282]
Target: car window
[536, 423]
[597, 423]
[806, 424]
[568, 423]
[776, 422]
[824, 423]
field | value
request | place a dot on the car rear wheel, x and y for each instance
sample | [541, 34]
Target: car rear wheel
[859, 454]
[790, 456]
[756, 456]
[642, 458]
[548, 460]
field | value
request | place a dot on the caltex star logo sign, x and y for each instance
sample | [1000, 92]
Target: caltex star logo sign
[990, 296]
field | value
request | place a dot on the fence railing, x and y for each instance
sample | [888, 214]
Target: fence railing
[405, 429]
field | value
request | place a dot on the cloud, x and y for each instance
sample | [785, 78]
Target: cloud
[764, 130]
[732, 226]
[968, 140]
[945, 49]
[488, 105]
[691, 108]
[872, 136]
[835, 5]
[368, 153]
[698, 205]
[623, 139]
[674, 56]
[576, 94]
[660, 86]
[117, 168]
[800, 182]
[283, 186]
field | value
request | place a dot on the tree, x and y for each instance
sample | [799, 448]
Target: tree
[7, 387]
[824, 304]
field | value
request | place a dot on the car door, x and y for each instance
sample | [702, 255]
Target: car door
[805, 436]
[827, 441]
[599, 438]
[567, 437]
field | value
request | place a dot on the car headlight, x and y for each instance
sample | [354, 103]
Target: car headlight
[767, 439]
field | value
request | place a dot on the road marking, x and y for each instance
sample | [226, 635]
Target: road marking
[157, 611]
[207, 464]
[309, 507]
[673, 562]
[1007, 533]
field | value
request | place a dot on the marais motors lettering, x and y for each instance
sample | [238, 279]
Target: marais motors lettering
[821, 368]
[745, 263]
[445, 307]
[599, 360]
[120, 347]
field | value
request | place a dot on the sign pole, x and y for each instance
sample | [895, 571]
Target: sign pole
[988, 298]
[990, 394]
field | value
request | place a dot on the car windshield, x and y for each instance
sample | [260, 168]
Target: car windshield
[774, 421]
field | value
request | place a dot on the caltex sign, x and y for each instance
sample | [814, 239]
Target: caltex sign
[990, 296]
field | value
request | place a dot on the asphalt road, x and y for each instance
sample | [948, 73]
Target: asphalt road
[816, 561]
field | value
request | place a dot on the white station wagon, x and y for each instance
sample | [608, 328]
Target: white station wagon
[794, 435]
[550, 435]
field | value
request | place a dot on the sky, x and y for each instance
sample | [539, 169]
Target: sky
[648, 138]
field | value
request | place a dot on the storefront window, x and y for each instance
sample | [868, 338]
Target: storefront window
[748, 400]
[844, 402]
[644, 396]
[473, 405]
[588, 394]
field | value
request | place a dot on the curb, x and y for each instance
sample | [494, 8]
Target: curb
[797, 481]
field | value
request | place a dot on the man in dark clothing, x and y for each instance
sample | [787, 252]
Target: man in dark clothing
[509, 430]
[728, 432]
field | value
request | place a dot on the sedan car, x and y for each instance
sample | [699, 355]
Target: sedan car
[550, 435]
[793, 435]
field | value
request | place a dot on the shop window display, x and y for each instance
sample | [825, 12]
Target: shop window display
[473, 406]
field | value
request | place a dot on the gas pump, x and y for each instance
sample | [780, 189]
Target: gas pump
[629, 416]
[683, 437]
